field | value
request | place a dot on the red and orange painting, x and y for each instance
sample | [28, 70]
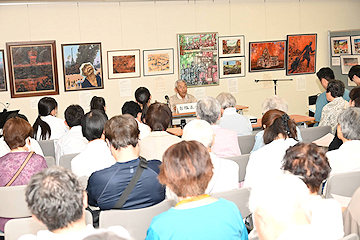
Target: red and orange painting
[124, 64]
[266, 56]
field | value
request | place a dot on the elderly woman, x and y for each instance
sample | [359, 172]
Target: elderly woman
[87, 70]
[310, 162]
[187, 170]
[230, 118]
[158, 117]
[279, 135]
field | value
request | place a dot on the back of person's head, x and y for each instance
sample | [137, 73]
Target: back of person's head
[142, 96]
[308, 161]
[158, 117]
[199, 130]
[122, 131]
[11, 115]
[355, 96]
[93, 124]
[55, 197]
[45, 107]
[73, 115]
[326, 73]
[226, 100]
[354, 71]
[97, 103]
[278, 122]
[131, 108]
[274, 102]
[349, 121]
[186, 168]
[15, 131]
[208, 109]
[336, 88]
[106, 235]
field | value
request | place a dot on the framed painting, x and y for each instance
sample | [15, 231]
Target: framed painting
[158, 62]
[198, 59]
[233, 46]
[82, 64]
[265, 56]
[347, 61]
[301, 54]
[355, 44]
[232, 67]
[124, 63]
[340, 45]
[32, 68]
[3, 86]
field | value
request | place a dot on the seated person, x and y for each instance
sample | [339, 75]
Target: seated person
[143, 98]
[98, 103]
[273, 102]
[134, 110]
[158, 117]
[106, 186]
[226, 141]
[96, 156]
[354, 74]
[230, 118]
[331, 111]
[73, 141]
[310, 163]
[346, 158]
[56, 199]
[181, 95]
[187, 170]
[350, 215]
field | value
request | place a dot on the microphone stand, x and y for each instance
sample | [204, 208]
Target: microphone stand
[274, 80]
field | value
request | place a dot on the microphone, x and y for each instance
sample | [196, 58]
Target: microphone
[167, 100]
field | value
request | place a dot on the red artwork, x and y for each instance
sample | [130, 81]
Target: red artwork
[267, 56]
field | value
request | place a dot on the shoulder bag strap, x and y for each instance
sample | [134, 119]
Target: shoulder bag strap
[20, 169]
[142, 165]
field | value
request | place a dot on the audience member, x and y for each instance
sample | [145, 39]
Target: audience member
[47, 126]
[346, 158]
[230, 118]
[143, 97]
[108, 235]
[56, 199]
[17, 134]
[354, 74]
[181, 95]
[351, 215]
[226, 141]
[310, 163]
[106, 186]
[279, 135]
[73, 141]
[98, 103]
[96, 155]
[331, 111]
[187, 170]
[153, 146]
[134, 110]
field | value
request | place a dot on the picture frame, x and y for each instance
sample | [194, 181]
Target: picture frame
[267, 55]
[198, 59]
[232, 46]
[82, 66]
[158, 62]
[347, 61]
[301, 54]
[232, 67]
[340, 46]
[3, 85]
[124, 63]
[355, 44]
[32, 68]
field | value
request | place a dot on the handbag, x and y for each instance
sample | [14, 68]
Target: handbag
[20, 169]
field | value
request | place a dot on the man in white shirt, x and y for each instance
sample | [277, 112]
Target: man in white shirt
[181, 95]
[134, 110]
[73, 141]
[96, 155]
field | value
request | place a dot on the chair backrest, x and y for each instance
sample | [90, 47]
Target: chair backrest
[47, 147]
[352, 236]
[242, 161]
[239, 196]
[50, 161]
[65, 160]
[246, 143]
[136, 221]
[83, 181]
[12, 202]
[311, 134]
[344, 184]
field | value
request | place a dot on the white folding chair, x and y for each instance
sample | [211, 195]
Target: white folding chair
[352, 236]
[50, 161]
[242, 161]
[344, 184]
[65, 160]
[313, 133]
[246, 143]
[47, 147]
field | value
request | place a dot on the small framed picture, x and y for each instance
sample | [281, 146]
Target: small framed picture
[3, 86]
[232, 67]
[233, 46]
[265, 56]
[158, 61]
[347, 61]
[340, 45]
[355, 44]
[124, 63]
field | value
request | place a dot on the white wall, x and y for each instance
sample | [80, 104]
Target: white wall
[152, 25]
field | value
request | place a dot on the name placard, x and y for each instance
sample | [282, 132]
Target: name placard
[186, 108]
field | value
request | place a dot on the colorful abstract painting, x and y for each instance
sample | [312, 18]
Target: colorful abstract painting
[355, 44]
[123, 63]
[340, 46]
[266, 56]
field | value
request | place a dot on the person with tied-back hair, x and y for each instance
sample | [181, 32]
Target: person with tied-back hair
[309, 161]
[47, 126]
[98, 103]
[279, 135]
[187, 170]
[143, 98]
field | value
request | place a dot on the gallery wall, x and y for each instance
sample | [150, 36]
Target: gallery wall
[154, 25]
